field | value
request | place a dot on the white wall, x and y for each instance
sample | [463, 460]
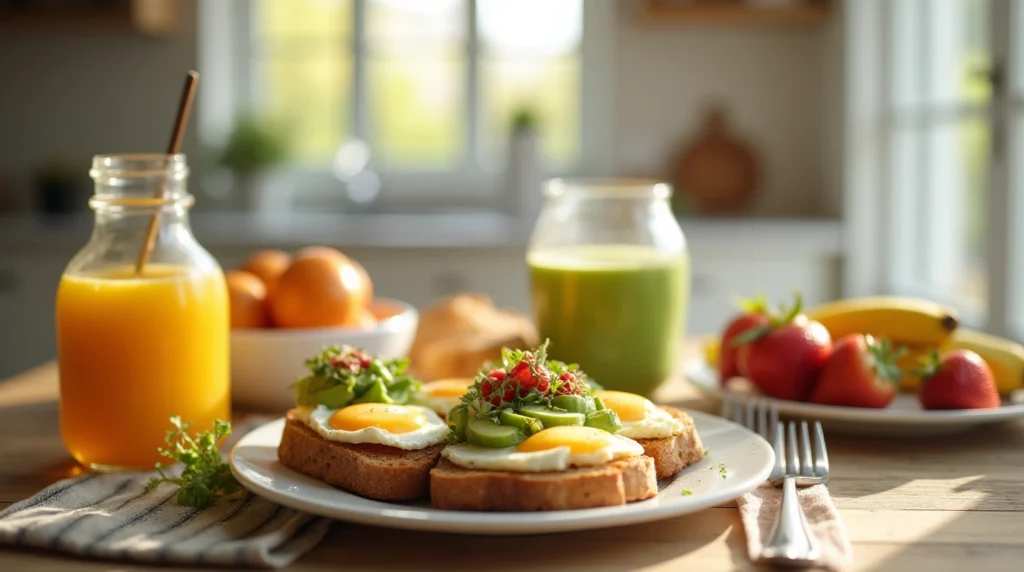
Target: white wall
[76, 93]
[773, 80]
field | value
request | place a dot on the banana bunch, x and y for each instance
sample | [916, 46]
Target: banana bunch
[922, 327]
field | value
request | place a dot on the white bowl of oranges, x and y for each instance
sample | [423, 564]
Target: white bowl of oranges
[288, 307]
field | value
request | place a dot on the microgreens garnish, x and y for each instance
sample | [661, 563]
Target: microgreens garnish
[523, 377]
[722, 470]
[687, 492]
[341, 375]
[205, 476]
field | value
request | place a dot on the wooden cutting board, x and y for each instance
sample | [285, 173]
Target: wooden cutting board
[717, 171]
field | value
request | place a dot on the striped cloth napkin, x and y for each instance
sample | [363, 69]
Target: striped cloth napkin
[112, 516]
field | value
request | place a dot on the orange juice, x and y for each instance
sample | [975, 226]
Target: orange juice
[134, 351]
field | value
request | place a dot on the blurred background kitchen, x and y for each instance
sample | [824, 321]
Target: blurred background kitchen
[835, 147]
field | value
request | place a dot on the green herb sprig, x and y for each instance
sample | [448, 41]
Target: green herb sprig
[206, 476]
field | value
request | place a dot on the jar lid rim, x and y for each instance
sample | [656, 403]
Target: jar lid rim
[626, 187]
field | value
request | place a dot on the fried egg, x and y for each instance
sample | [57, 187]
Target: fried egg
[640, 418]
[553, 449]
[407, 427]
[444, 394]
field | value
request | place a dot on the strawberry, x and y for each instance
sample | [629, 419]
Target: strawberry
[569, 384]
[754, 314]
[961, 379]
[862, 372]
[783, 357]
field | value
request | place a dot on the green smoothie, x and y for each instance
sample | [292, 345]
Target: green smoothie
[618, 311]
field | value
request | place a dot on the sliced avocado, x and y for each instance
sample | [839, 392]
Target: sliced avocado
[550, 417]
[336, 397]
[598, 404]
[486, 433]
[458, 420]
[528, 425]
[605, 420]
[572, 403]
[377, 392]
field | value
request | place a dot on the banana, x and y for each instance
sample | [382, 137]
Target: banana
[905, 321]
[1005, 357]
[909, 363]
[712, 347]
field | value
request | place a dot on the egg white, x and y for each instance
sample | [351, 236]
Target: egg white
[434, 432]
[656, 424]
[555, 459]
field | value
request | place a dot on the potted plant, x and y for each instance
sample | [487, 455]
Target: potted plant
[60, 188]
[523, 175]
[253, 150]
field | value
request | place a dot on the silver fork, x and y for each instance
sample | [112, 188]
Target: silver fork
[790, 541]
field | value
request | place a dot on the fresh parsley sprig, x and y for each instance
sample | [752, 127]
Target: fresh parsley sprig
[206, 476]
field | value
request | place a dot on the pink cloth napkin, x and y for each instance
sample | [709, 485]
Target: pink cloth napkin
[759, 509]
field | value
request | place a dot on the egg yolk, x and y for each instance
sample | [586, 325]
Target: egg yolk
[579, 439]
[448, 387]
[391, 418]
[628, 406]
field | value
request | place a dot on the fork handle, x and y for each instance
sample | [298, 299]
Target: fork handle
[791, 541]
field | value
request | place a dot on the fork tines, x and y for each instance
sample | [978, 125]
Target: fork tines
[755, 413]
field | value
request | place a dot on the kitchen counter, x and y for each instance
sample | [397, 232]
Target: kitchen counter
[927, 504]
[454, 230]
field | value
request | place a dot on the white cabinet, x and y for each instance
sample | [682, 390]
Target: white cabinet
[28, 288]
[729, 259]
[719, 281]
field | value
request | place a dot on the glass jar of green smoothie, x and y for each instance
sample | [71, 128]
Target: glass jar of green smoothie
[610, 279]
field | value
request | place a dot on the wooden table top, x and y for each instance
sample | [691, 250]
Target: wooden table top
[934, 504]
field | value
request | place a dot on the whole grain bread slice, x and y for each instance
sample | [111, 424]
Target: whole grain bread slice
[456, 488]
[370, 470]
[673, 454]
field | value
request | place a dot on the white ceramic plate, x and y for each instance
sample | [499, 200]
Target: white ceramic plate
[903, 418]
[747, 460]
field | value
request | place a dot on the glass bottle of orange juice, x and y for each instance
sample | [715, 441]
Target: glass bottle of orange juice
[136, 346]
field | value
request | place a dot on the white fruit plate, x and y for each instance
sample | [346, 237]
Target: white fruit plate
[737, 461]
[904, 417]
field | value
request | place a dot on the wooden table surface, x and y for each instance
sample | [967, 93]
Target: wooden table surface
[946, 503]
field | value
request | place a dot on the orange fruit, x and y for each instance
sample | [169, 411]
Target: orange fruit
[247, 296]
[316, 251]
[321, 290]
[267, 265]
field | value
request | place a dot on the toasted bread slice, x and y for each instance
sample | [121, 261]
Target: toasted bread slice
[616, 483]
[673, 454]
[370, 470]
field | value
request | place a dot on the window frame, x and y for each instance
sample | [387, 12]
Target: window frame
[873, 209]
[225, 47]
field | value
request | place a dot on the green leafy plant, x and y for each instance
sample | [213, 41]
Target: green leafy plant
[254, 145]
[206, 476]
[525, 118]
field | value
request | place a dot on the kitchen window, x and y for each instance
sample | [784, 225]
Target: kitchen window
[430, 85]
[933, 121]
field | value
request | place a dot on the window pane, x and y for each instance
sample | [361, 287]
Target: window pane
[941, 52]
[417, 110]
[416, 81]
[303, 19]
[310, 95]
[531, 62]
[515, 28]
[404, 25]
[950, 213]
[550, 87]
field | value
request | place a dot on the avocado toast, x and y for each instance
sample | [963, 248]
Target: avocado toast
[529, 435]
[351, 427]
